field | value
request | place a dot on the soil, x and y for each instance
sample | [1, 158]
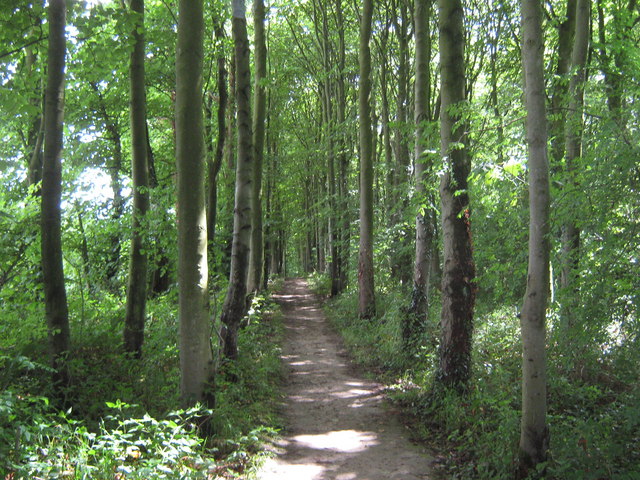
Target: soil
[338, 426]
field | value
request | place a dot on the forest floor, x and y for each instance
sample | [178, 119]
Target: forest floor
[338, 426]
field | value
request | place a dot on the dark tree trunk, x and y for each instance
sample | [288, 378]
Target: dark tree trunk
[416, 319]
[235, 304]
[55, 295]
[137, 281]
[367, 305]
[458, 288]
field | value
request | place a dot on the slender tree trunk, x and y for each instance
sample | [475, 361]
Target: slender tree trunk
[115, 168]
[534, 434]
[235, 304]
[36, 130]
[137, 282]
[566, 31]
[367, 305]
[458, 288]
[343, 164]
[573, 149]
[214, 164]
[55, 295]
[196, 359]
[416, 319]
[254, 281]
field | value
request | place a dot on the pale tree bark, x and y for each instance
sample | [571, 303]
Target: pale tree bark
[196, 359]
[254, 281]
[235, 304]
[534, 434]
[55, 295]
[137, 281]
[458, 288]
[367, 306]
[573, 152]
[415, 320]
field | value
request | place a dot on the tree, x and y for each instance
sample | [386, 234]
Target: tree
[367, 306]
[55, 295]
[417, 315]
[458, 288]
[214, 162]
[259, 111]
[573, 152]
[137, 279]
[235, 304]
[196, 364]
[534, 434]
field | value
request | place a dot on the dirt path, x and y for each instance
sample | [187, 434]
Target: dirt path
[338, 427]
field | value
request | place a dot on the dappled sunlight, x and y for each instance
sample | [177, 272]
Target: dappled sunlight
[339, 441]
[338, 427]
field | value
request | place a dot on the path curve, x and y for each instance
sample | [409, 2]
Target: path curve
[337, 425]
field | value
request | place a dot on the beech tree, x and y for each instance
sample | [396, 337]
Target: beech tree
[55, 295]
[254, 281]
[367, 306]
[235, 304]
[417, 317]
[534, 433]
[196, 358]
[137, 279]
[458, 288]
[573, 152]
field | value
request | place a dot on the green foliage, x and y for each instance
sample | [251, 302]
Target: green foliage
[593, 414]
[39, 442]
[100, 439]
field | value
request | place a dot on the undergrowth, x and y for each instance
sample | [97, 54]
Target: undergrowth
[124, 423]
[594, 419]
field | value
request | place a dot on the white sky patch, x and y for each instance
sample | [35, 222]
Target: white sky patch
[94, 186]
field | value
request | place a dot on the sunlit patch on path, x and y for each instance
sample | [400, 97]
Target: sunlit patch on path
[338, 427]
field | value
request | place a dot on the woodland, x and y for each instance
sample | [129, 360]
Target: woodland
[458, 179]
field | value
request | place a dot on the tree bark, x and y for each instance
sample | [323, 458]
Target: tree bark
[235, 304]
[367, 306]
[573, 151]
[137, 282]
[196, 364]
[214, 164]
[416, 319]
[534, 434]
[55, 295]
[458, 287]
[254, 281]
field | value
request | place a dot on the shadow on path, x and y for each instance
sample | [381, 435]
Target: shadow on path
[337, 425]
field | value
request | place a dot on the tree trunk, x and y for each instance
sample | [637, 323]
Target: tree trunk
[367, 306]
[214, 164]
[415, 321]
[458, 288]
[566, 31]
[196, 364]
[573, 149]
[534, 434]
[137, 282]
[235, 304]
[254, 281]
[55, 295]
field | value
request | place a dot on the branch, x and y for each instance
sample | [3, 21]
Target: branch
[28, 44]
